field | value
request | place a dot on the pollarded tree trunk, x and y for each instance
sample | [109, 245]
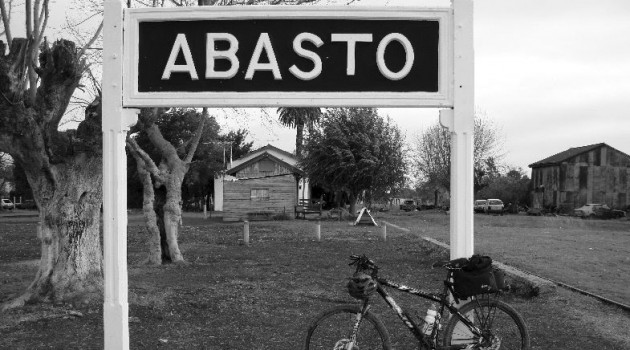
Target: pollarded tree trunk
[71, 256]
[63, 168]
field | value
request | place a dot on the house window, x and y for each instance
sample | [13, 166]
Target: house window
[259, 194]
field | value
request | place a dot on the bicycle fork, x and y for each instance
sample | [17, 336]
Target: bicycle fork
[351, 344]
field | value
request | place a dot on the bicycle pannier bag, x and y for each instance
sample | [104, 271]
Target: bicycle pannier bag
[476, 277]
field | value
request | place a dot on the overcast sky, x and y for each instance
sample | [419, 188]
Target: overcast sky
[552, 74]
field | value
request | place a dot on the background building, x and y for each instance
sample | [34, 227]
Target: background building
[588, 174]
[262, 184]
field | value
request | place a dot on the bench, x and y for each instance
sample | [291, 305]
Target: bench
[306, 207]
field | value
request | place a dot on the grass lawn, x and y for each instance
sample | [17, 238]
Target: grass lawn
[593, 255]
[263, 296]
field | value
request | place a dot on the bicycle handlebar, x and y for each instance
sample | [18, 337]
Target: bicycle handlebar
[364, 263]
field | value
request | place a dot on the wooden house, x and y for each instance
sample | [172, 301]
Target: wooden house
[589, 174]
[261, 185]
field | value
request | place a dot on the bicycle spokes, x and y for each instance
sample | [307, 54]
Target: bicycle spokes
[497, 329]
[346, 328]
[345, 344]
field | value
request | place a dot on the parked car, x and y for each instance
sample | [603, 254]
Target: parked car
[480, 205]
[607, 213]
[601, 211]
[588, 210]
[408, 205]
[495, 206]
[7, 204]
[26, 204]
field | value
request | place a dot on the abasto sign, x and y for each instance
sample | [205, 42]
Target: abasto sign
[281, 55]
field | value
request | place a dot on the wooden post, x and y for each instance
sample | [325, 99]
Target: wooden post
[246, 232]
[384, 231]
[318, 230]
[205, 211]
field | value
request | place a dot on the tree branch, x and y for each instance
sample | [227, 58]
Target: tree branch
[94, 37]
[43, 21]
[36, 19]
[149, 164]
[7, 23]
[146, 123]
[29, 20]
[197, 137]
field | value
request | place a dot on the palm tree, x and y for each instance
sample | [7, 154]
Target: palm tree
[298, 118]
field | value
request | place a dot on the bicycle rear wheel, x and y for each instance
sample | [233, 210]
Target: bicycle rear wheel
[332, 330]
[502, 326]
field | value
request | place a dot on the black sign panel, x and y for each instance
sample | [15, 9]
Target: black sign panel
[173, 55]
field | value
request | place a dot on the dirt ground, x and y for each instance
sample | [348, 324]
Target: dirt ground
[231, 296]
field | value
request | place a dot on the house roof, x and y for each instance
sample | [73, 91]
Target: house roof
[566, 155]
[270, 149]
[270, 152]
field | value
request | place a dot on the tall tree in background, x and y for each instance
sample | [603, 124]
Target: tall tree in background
[63, 168]
[239, 147]
[162, 178]
[298, 118]
[355, 151]
[432, 154]
[511, 187]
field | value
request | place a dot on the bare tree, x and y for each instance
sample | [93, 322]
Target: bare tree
[62, 167]
[433, 153]
[162, 186]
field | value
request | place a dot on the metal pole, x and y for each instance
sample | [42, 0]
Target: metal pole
[318, 230]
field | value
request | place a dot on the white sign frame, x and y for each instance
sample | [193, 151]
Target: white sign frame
[443, 98]
[456, 100]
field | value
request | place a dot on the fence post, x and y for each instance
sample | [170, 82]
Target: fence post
[205, 211]
[246, 232]
[384, 231]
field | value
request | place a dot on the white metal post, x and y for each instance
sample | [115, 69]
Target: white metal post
[246, 232]
[460, 121]
[115, 124]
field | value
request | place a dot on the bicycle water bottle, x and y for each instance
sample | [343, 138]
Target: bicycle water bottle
[429, 321]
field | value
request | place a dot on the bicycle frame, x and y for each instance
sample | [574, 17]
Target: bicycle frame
[442, 299]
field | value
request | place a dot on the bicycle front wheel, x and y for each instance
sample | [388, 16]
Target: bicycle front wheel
[502, 327]
[332, 330]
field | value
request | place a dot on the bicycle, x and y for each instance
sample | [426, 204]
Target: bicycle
[482, 323]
